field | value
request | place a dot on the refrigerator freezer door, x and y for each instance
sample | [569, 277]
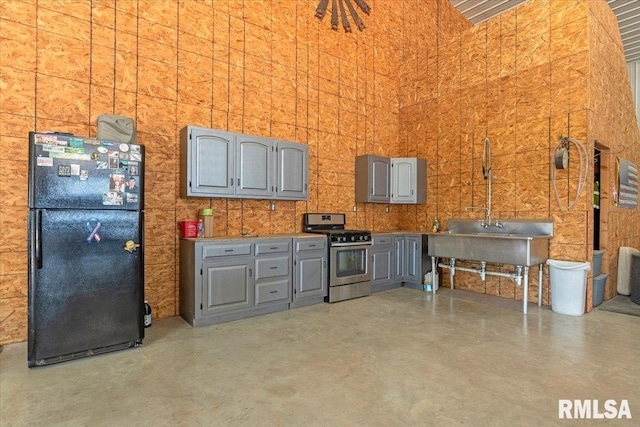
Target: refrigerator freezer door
[86, 292]
[69, 172]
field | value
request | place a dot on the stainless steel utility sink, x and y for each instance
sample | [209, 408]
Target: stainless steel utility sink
[520, 242]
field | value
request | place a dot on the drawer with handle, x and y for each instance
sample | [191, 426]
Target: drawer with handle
[273, 247]
[382, 240]
[217, 250]
[272, 267]
[272, 291]
[311, 244]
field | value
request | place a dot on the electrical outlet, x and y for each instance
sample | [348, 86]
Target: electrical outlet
[355, 208]
[386, 209]
[273, 206]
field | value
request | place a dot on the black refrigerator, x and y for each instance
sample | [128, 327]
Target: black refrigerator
[86, 275]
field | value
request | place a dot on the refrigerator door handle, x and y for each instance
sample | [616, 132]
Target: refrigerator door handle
[38, 239]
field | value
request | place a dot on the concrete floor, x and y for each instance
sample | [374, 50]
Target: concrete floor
[397, 358]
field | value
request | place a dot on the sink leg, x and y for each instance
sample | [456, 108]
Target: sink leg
[540, 285]
[452, 270]
[434, 283]
[525, 296]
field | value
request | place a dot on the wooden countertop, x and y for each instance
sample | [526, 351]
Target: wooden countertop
[256, 237]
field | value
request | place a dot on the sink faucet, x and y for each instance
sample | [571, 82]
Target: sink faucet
[487, 175]
[486, 221]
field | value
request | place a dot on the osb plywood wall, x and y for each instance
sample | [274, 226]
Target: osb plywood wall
[262, 67]
[544, 69]
[612, 122]
[419, 81]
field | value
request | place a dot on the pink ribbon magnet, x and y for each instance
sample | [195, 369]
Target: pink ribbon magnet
[92, 225]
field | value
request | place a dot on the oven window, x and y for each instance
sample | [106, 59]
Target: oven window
[351, 262]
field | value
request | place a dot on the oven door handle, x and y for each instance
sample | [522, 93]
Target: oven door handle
[339, 245]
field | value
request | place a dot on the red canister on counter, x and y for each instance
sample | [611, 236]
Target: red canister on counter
[189, 228]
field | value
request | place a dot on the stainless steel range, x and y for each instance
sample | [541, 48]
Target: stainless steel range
[349, 255]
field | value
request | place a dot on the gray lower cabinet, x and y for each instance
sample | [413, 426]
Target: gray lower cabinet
[400, 258]
[416, 259]
[227, 285]
[273, 272]
[310, 271]
[411, 259]
[225, 280]
[382, 263]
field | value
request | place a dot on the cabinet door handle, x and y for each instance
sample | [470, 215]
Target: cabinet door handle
[250, 272]
[273, 292]
[228, 250]
[312, 246]
[230, 182]
[273, 268]
[275, 247]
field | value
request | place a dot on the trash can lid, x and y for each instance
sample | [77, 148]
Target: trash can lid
[568, 265]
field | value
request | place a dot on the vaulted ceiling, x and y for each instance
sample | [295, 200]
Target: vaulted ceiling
[627, 12]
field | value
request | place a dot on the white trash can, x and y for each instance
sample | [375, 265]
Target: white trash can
[568, 282]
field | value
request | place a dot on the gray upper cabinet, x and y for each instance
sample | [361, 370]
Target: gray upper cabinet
[207, 162]
[408, 180]
[372, 179]
[391, 180]
[253, 167]
[292, 170]
[215, 163]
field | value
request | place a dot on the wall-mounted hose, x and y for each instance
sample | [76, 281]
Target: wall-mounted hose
[563, 149]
